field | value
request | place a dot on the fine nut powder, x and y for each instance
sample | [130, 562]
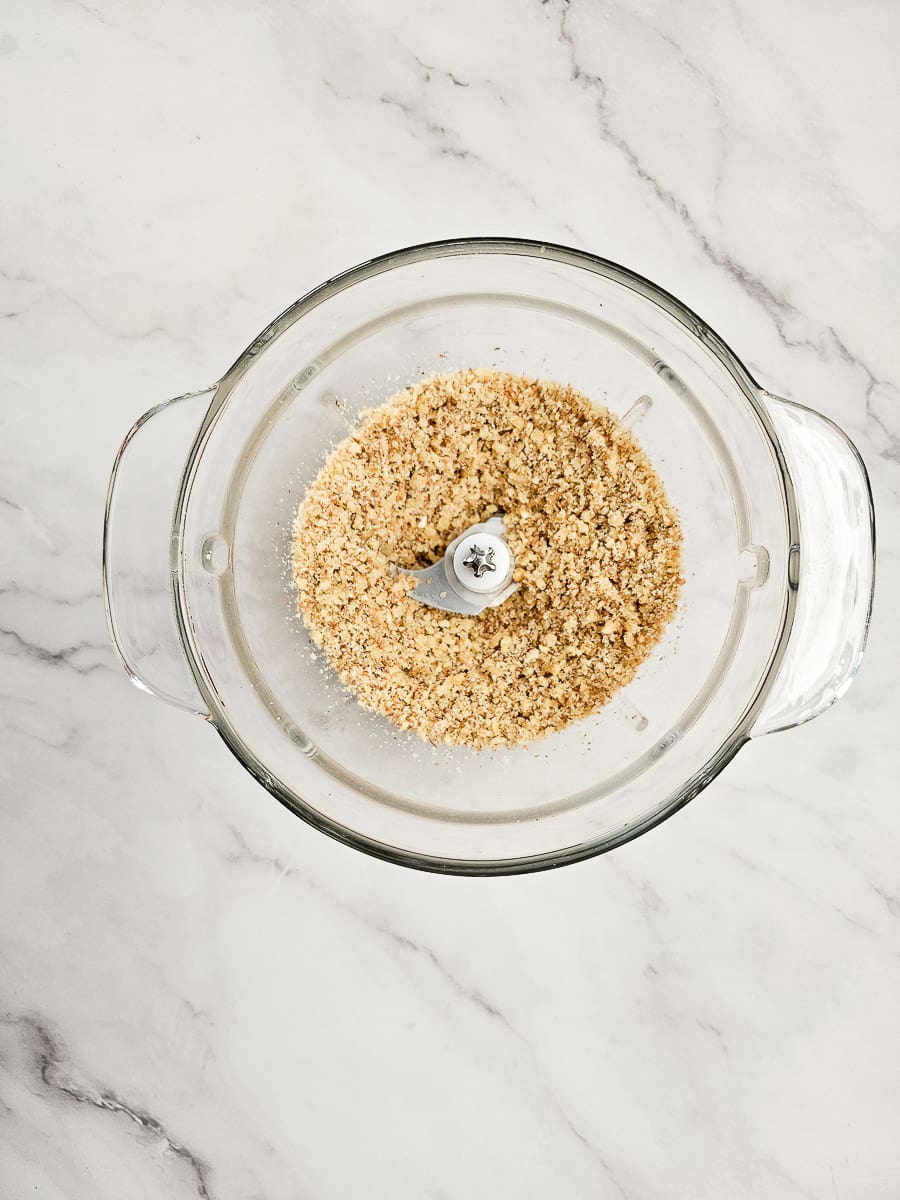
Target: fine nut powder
[597, 550]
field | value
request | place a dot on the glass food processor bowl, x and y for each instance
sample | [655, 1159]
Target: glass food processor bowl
[775, 508]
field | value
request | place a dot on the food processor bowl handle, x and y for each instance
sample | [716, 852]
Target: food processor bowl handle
[138, 549]
[831, 568]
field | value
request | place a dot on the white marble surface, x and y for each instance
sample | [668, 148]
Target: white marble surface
[199, 996]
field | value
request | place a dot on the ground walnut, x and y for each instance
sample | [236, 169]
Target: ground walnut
[596, 542]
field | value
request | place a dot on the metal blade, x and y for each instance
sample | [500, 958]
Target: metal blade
[440, 587]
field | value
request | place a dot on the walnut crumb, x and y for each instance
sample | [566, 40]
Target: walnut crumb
[597, 548]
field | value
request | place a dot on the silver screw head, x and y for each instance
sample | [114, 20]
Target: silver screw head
[479, 560]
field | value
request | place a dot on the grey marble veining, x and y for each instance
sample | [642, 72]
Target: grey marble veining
[199, 996]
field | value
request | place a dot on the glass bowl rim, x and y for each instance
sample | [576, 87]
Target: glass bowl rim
[458, 247]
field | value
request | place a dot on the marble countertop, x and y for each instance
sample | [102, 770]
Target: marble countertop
[200, 996]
